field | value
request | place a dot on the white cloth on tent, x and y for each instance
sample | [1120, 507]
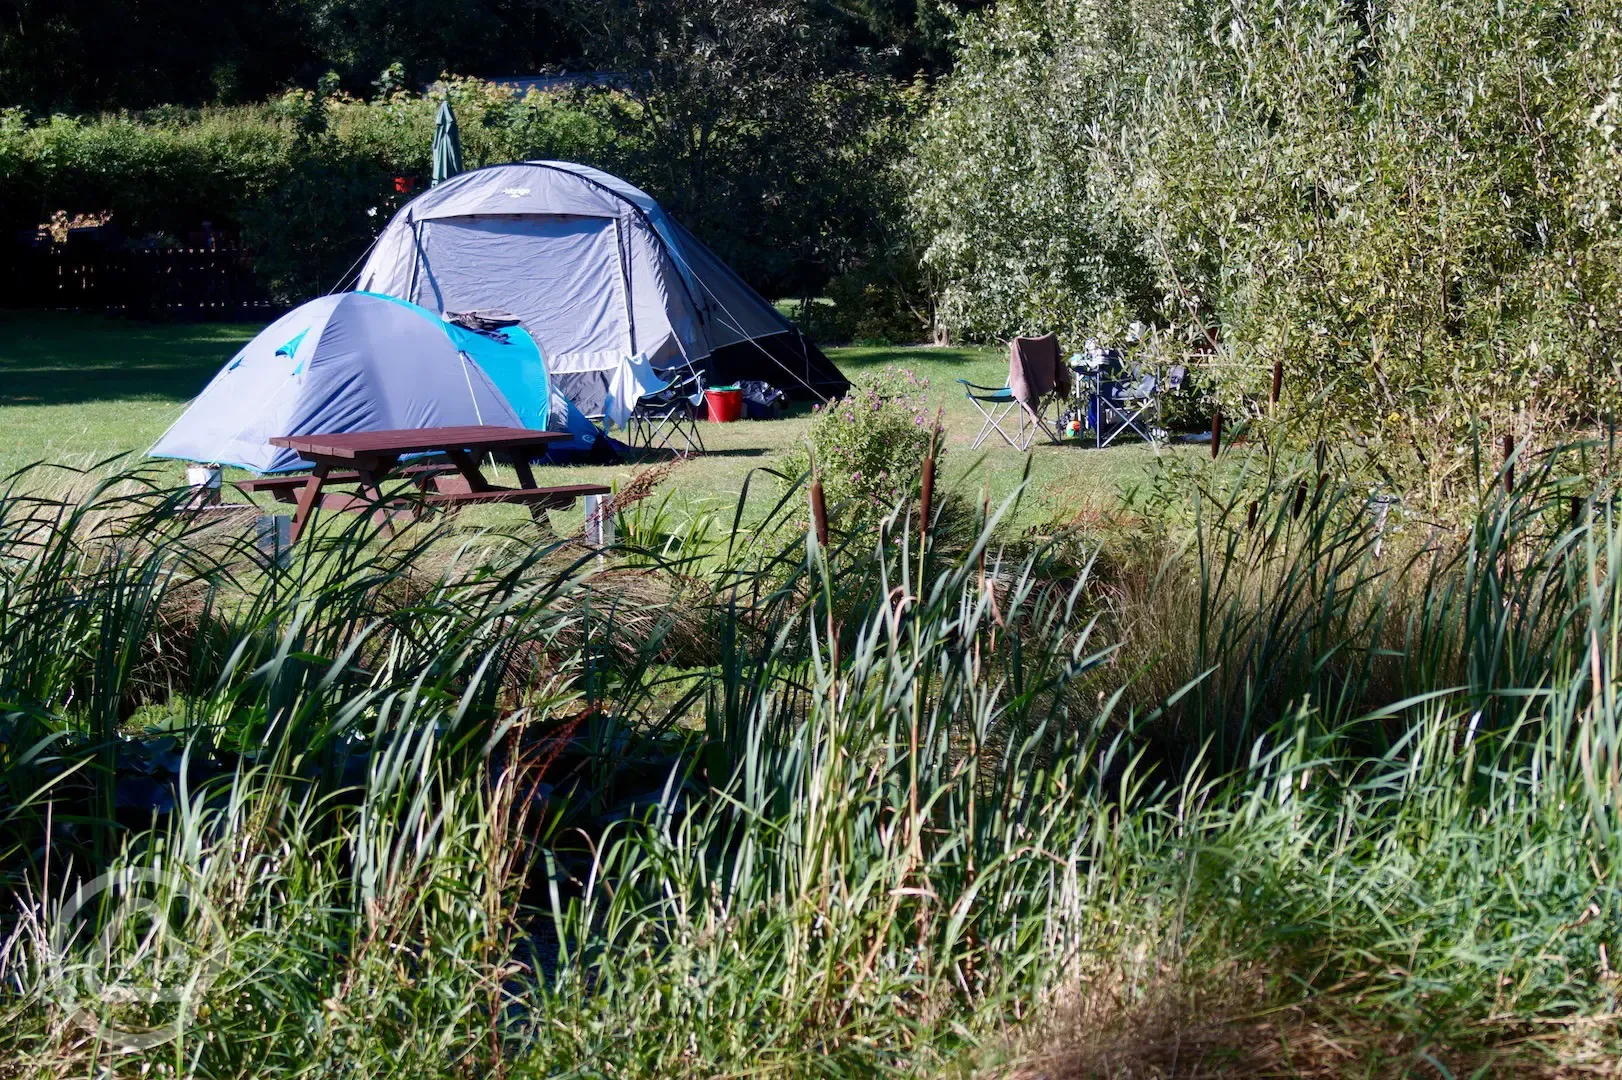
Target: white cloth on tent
[584, 377]
[633, 380]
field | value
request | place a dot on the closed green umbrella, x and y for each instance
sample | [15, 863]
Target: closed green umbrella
[447, 144]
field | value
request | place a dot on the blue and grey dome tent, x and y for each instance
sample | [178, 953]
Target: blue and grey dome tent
[597, 272]
[364, 362]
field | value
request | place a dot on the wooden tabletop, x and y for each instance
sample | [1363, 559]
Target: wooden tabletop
[359, 444]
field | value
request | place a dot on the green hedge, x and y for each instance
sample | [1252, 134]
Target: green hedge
[307, 179]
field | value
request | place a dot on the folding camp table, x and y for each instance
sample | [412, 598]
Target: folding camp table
[369, 457]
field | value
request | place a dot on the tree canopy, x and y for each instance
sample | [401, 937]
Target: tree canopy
[1411, 205]
[90, 55]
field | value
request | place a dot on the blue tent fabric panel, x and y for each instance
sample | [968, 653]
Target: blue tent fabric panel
[514, 364]
[367, 364]
[291, 348]
[511, 359]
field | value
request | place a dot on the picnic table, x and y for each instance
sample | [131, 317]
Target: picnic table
[368, 458]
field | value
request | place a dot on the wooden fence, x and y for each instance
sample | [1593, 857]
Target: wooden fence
[180, 282]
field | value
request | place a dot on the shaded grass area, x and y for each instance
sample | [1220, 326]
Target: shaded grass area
[76, 389]
[61, 358]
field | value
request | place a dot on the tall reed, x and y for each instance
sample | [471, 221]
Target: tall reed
[448, 804]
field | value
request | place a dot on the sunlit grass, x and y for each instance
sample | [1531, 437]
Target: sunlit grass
[83, 388]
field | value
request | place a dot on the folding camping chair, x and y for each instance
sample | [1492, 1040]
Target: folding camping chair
[995, 403]
[1128, 405]
[665, 417]
[1036, 379]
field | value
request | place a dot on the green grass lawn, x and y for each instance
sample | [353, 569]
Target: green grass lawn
[77, 389]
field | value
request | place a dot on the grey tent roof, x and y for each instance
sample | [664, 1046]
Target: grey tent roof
[592, 266]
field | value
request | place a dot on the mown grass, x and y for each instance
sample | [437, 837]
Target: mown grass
[1179, 795]
[77, 389]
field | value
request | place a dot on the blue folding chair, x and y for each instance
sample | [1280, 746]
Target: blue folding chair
[995, 403]
[1126, 405]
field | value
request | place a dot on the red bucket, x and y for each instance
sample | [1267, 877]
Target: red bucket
[724, 406]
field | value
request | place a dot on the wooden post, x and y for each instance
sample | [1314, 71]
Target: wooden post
[1278, 383]
[307, 499]
[1216, 434]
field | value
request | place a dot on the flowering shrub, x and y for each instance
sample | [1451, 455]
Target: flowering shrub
[869, 445]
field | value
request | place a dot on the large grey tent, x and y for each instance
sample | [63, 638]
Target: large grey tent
[596, 272]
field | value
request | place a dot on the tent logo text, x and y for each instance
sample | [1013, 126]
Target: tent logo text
[515, 192]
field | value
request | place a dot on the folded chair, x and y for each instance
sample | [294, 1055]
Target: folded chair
[667, 419]
[1037, 381]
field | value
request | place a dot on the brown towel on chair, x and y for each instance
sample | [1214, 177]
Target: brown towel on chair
[1035, 371]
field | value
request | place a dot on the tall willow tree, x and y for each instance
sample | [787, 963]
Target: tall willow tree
[1413, 205]
[1020, 222]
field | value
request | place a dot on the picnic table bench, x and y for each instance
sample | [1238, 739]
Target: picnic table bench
[286, 488]
[367, 458]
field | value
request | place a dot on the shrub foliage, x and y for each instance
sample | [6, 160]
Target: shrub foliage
[868, 447]
[1410, 205]
[307, 179]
